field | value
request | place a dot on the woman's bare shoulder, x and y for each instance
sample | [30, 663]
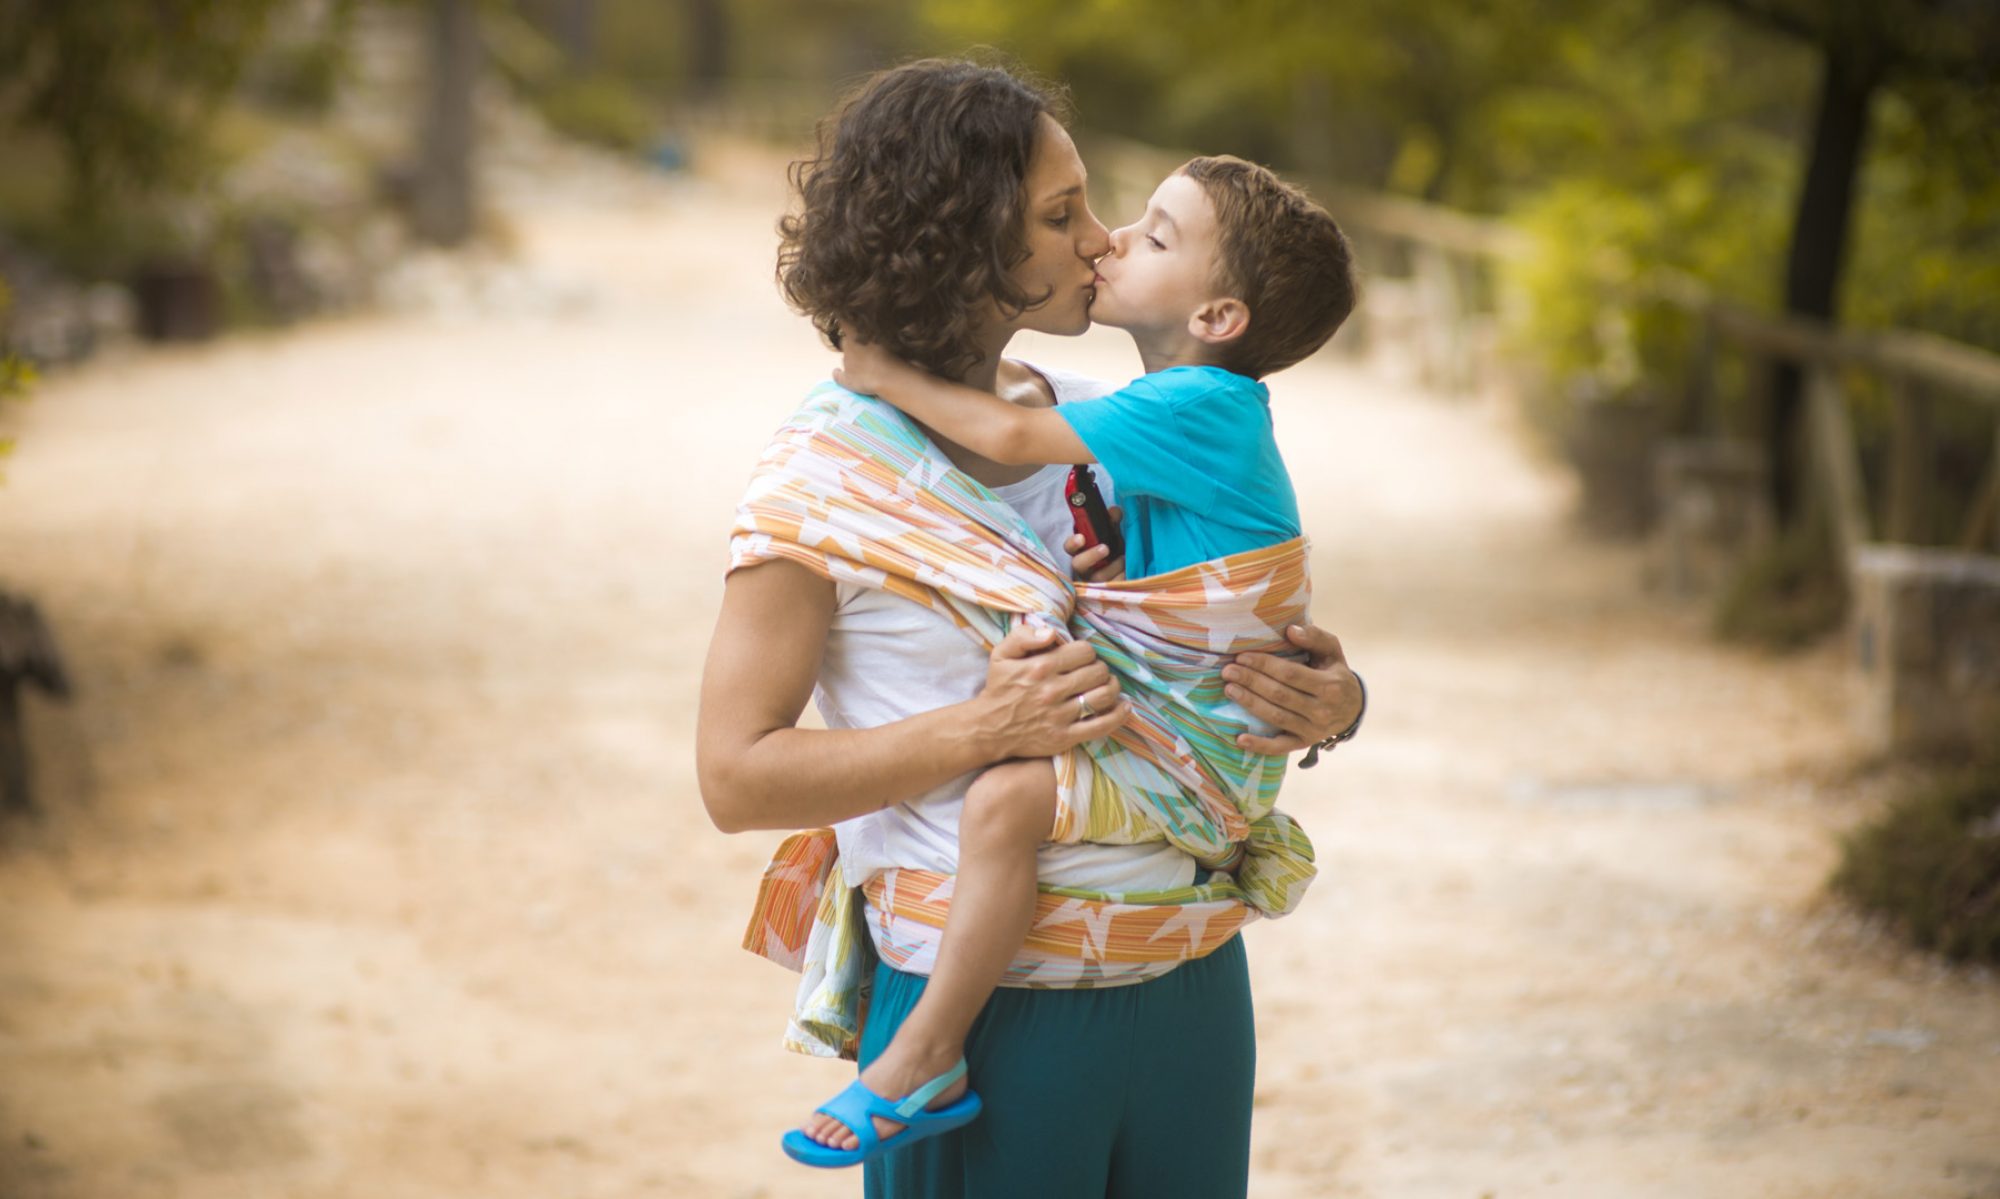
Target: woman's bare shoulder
[1021, 384]
[1042, 387]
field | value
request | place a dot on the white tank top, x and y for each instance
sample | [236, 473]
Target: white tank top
[888, 658]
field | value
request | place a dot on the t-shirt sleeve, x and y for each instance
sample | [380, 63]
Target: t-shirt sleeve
[1135, 434]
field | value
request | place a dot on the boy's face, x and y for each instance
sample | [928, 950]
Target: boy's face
[1162, 267]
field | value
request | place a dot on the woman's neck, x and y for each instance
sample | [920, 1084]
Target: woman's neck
[1014, 383]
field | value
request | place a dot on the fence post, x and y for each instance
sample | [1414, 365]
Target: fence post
[1701, 376]
[1910, 466]
[1836, 462]
[1442, 309]
[1978, 534]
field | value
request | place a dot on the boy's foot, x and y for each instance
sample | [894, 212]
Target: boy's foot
[895, 1074]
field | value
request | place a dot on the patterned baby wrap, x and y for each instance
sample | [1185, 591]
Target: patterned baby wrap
[850, 488]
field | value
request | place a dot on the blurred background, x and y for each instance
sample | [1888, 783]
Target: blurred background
[377, 378]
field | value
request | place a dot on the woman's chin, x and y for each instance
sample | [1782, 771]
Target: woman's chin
[1077, 326]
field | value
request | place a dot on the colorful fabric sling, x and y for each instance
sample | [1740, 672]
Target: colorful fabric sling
[853, 490]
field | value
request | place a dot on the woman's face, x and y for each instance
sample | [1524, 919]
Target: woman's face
[1063, 238]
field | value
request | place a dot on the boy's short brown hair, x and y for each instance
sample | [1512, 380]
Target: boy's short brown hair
[1283, 256]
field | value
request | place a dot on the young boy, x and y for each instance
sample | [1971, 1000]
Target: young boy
[1230, 275]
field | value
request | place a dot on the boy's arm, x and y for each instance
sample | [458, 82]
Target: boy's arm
[978, 420]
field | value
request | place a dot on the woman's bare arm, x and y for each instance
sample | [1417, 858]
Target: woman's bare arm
[757, 769]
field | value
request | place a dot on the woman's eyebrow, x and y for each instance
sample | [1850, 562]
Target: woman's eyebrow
[1074, 189]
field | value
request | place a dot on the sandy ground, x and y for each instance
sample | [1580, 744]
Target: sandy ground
[373, 863]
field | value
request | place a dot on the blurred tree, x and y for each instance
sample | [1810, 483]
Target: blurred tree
[1864, 46]
[16, 376]
[1392, 92]
[127, 86]
[442, 205]
[708, 48]
[576, 27]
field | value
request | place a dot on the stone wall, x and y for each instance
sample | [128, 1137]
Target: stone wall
[1925, 634]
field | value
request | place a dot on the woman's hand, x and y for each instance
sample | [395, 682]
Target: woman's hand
[1030, 705]
[1306, 703]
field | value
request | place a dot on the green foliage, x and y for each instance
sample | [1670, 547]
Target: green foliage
[1927, 241]
[598, 109]
[303, 76]
[1931, 864]
[126, 86]
[601, 108]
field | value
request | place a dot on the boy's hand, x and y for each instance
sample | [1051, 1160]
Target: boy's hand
[866, 367]
[1095, 565]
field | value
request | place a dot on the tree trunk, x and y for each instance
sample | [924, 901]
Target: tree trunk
[443, 202]
[1818, 253]
[15, 795]
[577, 30]
[708, 48]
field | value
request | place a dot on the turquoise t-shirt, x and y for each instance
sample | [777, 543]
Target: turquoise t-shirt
[1196, 465]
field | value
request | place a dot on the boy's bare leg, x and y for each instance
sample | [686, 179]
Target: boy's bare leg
[1008, 814]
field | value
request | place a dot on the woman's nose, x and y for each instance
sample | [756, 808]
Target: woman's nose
[1096, 240]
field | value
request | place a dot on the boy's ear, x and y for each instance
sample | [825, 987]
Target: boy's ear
[1219, 321]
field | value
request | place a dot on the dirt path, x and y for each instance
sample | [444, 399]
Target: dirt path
[375, 868]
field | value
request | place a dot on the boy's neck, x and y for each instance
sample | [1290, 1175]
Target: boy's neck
[1155, 363]
[1162, 353]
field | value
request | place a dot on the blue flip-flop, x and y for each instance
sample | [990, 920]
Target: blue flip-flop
[857, 1106]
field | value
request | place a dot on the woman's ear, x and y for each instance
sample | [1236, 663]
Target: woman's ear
[1219, 321]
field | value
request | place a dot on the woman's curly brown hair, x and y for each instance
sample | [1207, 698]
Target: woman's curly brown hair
[911, 215]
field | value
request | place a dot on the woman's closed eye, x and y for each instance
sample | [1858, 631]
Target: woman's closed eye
[1059, 222]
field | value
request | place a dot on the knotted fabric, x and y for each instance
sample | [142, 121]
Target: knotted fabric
[852, 489]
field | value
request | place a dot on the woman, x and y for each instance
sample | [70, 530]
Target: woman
[946, 212]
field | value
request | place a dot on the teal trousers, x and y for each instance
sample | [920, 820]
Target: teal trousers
[1136, 1092]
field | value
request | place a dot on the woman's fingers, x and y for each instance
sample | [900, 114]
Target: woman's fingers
[1284, 673]
[1270, 745]
[1086, 675]
[1024, 641]
[1106, 722]
[1101, 698]
[1323, 646]
[1071, 657]
[1296, 695]
[1303, 725]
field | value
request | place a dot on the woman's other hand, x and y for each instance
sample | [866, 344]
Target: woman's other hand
[1032, 693]
[1095, 565]
[1307, 702]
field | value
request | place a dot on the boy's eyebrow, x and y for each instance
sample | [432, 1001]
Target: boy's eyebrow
[1168, 218]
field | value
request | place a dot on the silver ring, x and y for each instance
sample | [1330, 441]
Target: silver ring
[1084, 704]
